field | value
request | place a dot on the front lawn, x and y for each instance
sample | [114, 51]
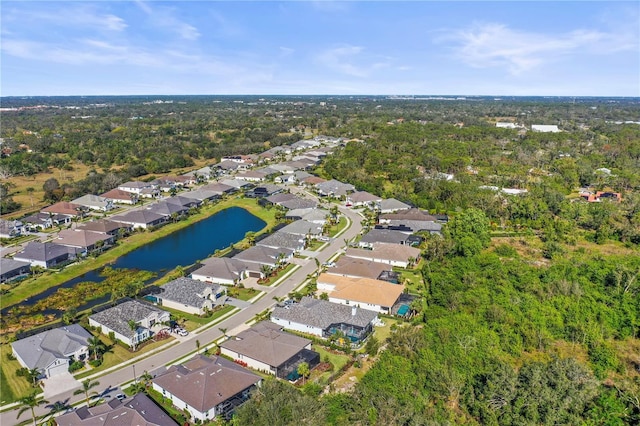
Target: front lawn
[119, 355]
[242, 293]
[191, 322]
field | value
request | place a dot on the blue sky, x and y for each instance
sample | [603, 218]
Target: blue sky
[320, 47]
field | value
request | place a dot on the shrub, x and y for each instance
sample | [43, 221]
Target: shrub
[75, 366]
[95, 362]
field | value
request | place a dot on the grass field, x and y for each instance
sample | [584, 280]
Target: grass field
[12, 387]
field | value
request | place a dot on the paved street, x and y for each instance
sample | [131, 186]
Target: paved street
[232, 324]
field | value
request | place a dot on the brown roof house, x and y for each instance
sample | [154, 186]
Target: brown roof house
[87, 241]
[208, 388]
[138, 410]
[65, 208]
[366, 293]
[265, 347]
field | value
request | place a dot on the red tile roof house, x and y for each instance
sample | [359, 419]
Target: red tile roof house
[265, 347]
[121, 197]
[208, 388]
[65, 208]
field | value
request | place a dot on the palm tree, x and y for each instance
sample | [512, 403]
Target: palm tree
[96, 346]
[223, 330]
[303, 370]
[32, 376]
[30, 402]
[197, 346]
[87, 385]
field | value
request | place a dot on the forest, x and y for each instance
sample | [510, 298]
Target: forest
[529, 307]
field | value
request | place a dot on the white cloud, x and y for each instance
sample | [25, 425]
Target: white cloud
[496, 45]
[71, 16]
[352, 60]
[286, 51]
[165, 18]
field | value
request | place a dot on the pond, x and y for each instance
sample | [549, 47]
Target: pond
[183, 247]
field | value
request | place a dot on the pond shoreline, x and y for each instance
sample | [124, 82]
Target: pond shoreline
[31, 287]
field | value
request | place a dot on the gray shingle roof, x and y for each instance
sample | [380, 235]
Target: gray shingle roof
[262, 255]
[138, 216]
[265, 342]
[8, 265]
[298, 203]
[118, 317]
[204, 382]
[393, 204]
[302, 227]
[222, 267]
[187, 291]
[417, 225]
[324, 314]
[167, 209]
[281, 239]
[40, 350]
[139, 410]
[384, 236]
[42, 251]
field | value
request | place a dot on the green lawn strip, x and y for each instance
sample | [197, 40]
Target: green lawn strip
[336, 229]
[194, 321]
[12, 386]
[35, 285]
[119, 356]
[242, 293]
[276, 280]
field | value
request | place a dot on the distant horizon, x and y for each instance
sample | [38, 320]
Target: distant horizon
[359, 95]
[302, 48]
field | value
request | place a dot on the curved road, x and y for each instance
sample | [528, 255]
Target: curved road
[125, 374]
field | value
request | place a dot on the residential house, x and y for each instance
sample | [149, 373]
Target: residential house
[362, 199]
[40, 221]
[118, 196]
[262, 255]
[390, 254]
[299, 203]
[303, 228]
[355, 268]
[11, 228]
[135, 187]
[280, 197]
[227, 166]
[311, 181]
[105, 226]
[45, 255]
[51, 351]
[411, 221]
[65, 208]
[334, 188]
[11, 269]
[236, 183]
[168, 210]
[313, 215]
[252, 176]
[391, 205]
[206, 173]
[181, 200]
[85, 241]
[222, 270]
[201, 195]
[265, 347]
[138, 410]
[189, 295]
[94, 202]
[383, 236]
[140, 219]
[120, 318]
[281, 239]
[599, 196]
[263, 190]
[222, 188]
[324, 319]
[366, 293]
[286, 179]
[207, 388]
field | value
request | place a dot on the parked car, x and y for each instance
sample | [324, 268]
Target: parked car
[120, 397]
[183, 332]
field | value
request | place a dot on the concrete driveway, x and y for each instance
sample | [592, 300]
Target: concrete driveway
[59, 384]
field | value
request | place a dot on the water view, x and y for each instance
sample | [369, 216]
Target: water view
[182, 247]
